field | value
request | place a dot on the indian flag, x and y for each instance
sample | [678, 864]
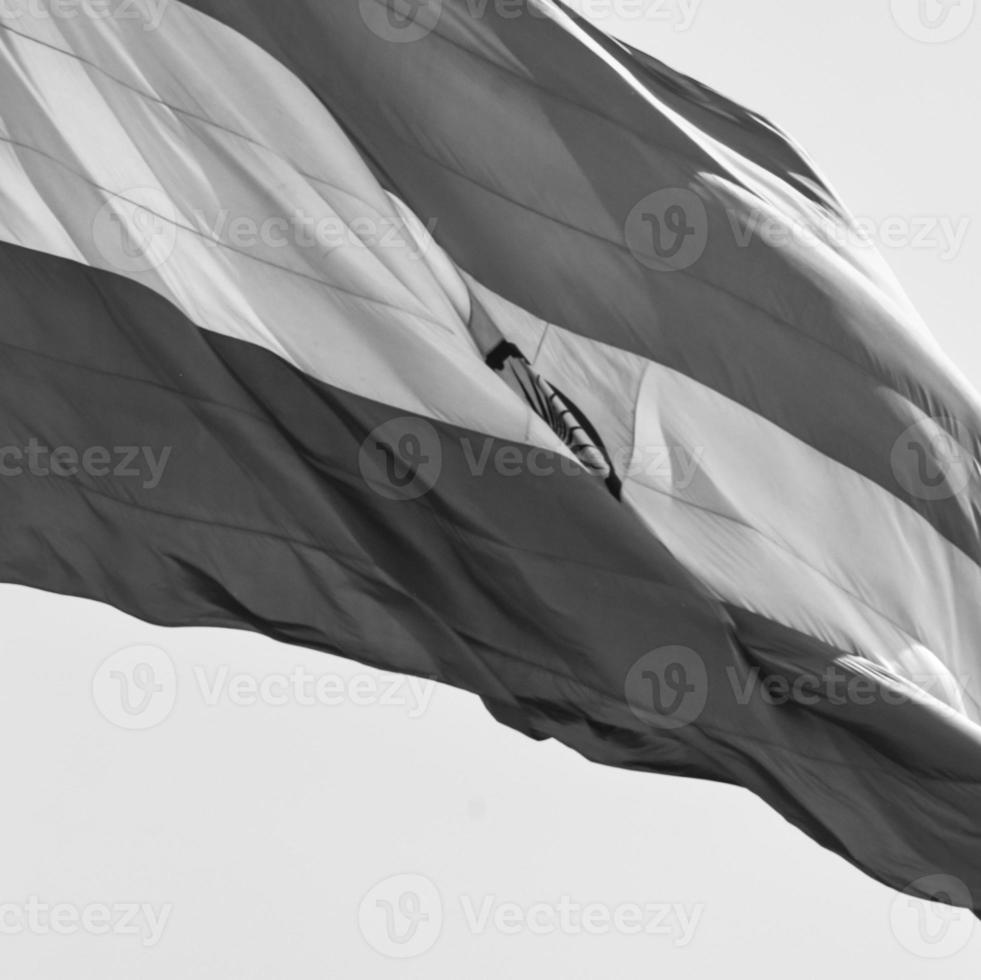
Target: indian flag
[473, 344]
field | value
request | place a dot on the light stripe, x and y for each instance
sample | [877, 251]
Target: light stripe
[538, 592]
[526, 141]
[539, 595]
[265, 224]
[765, 521]
[380, 323]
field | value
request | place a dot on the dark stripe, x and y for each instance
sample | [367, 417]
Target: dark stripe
[535, 590]
[735, 126]
[529, 153]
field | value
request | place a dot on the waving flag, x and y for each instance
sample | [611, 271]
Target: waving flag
[473, 344]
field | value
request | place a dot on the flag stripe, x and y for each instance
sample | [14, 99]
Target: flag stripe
[392, 327]
[323, 454]
[266, 517]
[766, 522]
[811, 335]
[230, 237]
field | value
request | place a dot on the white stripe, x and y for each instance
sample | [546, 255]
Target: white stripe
[169, 120]
[765, 521]
[206, 149]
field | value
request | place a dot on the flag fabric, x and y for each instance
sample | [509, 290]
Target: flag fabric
[469, 342]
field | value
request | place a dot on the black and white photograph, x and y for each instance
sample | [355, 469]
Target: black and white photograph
[490, 489]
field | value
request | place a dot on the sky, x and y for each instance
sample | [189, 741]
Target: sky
[281, 813]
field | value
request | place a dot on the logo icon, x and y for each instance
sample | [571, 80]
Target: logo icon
[933, 21]
[930, 463]
[136, 232]
[668, 687]
[935, 929]
[401, 21]
[402, 916]
[401, 459]
[136, 687]
[668, 230]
